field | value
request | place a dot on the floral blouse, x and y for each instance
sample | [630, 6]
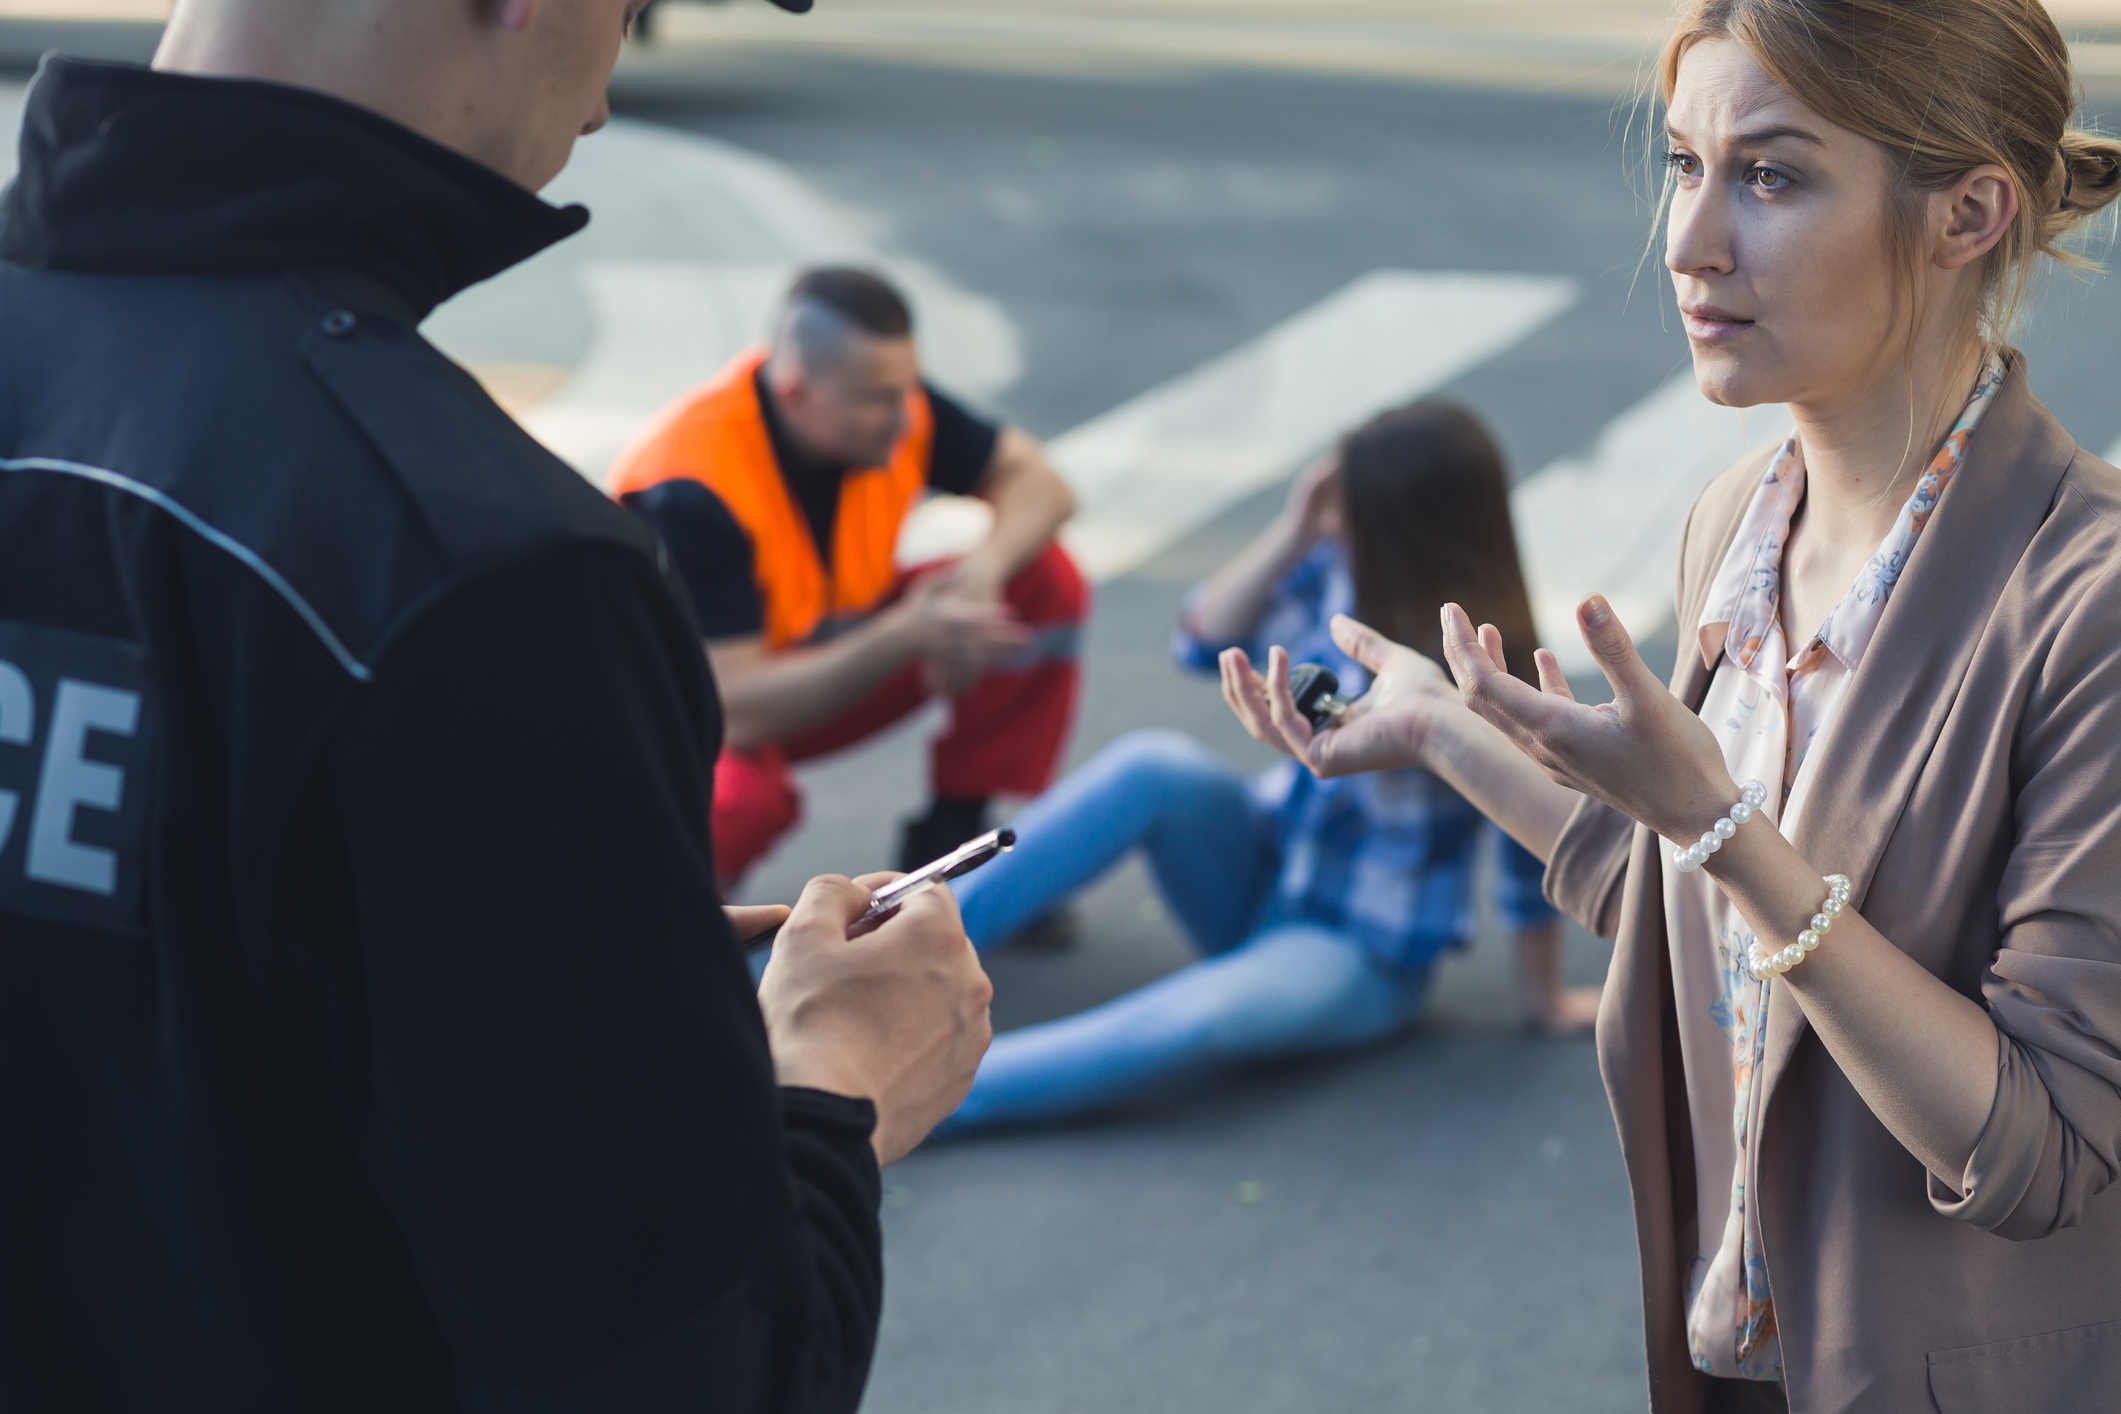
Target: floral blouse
[1767, 707]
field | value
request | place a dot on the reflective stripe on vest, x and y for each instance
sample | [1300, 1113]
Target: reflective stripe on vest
[718, 438]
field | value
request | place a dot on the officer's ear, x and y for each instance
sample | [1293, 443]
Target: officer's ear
[509, 14]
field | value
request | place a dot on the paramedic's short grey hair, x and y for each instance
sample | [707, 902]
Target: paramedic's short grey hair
[827, 309]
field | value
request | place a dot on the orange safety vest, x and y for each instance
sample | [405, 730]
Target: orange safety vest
[718, 438]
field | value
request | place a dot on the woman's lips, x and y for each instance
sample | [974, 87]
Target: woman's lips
[1713, 326]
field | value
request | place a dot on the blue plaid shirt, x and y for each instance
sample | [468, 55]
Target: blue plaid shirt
[1387, 857]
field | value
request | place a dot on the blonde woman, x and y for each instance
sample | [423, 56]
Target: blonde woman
[1862, 860]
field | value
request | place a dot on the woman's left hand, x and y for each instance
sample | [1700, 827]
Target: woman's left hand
[1643, 753]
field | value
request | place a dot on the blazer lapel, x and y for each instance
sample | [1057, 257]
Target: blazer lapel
[1871, 757]
[1639, 982]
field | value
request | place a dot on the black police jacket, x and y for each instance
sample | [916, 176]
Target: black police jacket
[372, 1035]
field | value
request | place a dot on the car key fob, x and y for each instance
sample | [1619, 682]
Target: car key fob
[1316, 691]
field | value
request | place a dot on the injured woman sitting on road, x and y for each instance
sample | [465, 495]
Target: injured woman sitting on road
[1319, 908]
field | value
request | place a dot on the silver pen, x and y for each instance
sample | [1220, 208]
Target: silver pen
[887, 900]
[962, 860]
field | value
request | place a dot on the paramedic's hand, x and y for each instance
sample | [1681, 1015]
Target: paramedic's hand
[959, 636]
[897, 1016]
[1390, 726]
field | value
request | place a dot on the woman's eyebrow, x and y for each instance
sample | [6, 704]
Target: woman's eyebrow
[1759, 137]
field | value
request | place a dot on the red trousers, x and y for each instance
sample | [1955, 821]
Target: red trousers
[1004, 738]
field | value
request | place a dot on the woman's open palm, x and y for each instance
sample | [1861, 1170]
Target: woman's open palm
[1643, 753]
[1385, 729]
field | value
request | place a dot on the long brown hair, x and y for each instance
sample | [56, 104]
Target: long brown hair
[1944, 86]
[1425, 512]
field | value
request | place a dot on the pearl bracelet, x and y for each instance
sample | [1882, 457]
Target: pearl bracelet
[1697, 854]
[1766, 965]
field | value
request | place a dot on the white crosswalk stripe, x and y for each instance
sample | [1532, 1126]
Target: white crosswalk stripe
[1607, 519]
[1161, 465]
[1610, 519]
[1172, 458]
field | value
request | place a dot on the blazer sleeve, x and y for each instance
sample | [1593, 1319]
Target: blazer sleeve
[1589, 865]
[2053, 1136]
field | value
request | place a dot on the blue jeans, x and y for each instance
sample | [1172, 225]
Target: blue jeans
[1266, 985]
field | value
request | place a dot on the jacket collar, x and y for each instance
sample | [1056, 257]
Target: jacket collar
[131, 170]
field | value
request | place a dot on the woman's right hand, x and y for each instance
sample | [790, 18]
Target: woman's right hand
[1391, 726]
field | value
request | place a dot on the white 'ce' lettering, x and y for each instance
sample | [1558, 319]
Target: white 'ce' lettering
[72, 780]
[18, 716]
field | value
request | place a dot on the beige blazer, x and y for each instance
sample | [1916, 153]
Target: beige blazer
[1971, 789]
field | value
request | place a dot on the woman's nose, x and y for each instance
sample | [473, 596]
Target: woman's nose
[1697, 234]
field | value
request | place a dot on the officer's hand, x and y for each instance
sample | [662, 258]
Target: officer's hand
[897, 1016]
[749, 920]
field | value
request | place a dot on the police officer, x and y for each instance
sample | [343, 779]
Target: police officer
[375, 1036]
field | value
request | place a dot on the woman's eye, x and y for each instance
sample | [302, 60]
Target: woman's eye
[1683, 163]
[1769, 179]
